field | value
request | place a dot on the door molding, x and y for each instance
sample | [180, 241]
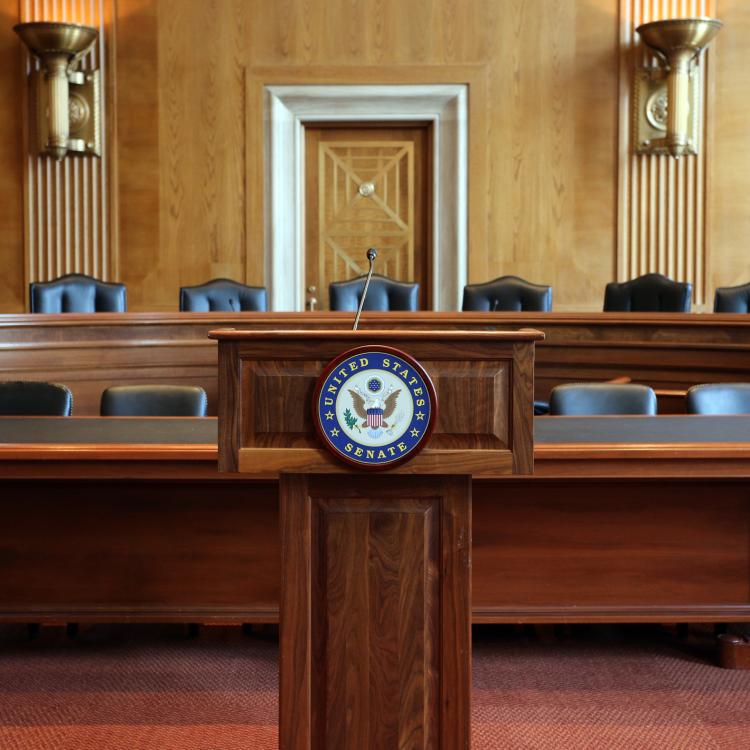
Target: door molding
[289, 108]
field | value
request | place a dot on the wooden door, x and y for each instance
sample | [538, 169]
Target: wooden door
[366, 187]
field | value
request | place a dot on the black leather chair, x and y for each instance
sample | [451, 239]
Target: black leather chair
[34, 398]
[384, 294]
[77, 293]
[719, 398]
[509, 293]
[732, 299]
[223, 295]
[652, 292]
[591, 399]
[154, 401]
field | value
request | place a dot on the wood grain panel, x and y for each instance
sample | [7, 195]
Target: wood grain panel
[13, 94]
[98, 569]
[633, 545]
[182, 167]
[729, 225]
[670, 352]
[363, 552]
[375, 628]
[542, 128]
[278, 404]
[552, 103]
[543, 139]
[463, 386]
[68, 226]
[268, 405]
[590, 545]
[662, 202]
[137, 147]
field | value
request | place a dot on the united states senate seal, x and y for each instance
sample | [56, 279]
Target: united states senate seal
[374, 407]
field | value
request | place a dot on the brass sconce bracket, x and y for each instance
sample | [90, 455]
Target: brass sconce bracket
[84, 108]
[65, 102]
[667, 100]
[651, 108]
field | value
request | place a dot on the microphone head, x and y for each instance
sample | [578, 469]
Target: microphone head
[372, 253]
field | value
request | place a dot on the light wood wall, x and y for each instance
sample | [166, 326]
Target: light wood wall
[543, 100]
[729, 201]
[12, 163]
[545, 134]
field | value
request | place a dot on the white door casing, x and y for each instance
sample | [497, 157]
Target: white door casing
[289, 108]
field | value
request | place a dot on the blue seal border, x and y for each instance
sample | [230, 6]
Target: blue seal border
[408, 359]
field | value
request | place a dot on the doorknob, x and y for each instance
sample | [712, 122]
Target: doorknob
[312, 300]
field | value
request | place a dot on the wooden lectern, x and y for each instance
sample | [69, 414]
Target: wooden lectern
[376, 566]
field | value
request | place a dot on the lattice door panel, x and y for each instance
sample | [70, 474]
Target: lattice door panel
[367, 196]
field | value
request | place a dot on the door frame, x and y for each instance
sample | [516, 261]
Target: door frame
[289, 108]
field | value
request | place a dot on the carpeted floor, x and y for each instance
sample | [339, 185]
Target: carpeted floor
[145, 687]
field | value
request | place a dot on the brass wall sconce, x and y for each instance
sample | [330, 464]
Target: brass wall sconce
[667, 98]
[65, 102]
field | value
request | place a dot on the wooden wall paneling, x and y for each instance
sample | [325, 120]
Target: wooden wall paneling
[542, 78]
[12, 135]
[545, 197]
[729, 229]
[67, 204]
[662, 202]
[551, 148]
[181, 116]
[201, 137]
[137, 146]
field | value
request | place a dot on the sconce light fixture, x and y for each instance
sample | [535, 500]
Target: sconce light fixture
[667, 98]
[66, 109]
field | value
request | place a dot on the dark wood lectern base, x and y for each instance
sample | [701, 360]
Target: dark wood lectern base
[375, 612]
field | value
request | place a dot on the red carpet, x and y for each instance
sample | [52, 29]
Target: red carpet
[120, 688]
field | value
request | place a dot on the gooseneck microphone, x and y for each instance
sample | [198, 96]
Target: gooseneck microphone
[372, 253]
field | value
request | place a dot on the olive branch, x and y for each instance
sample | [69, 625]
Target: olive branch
[351, 420]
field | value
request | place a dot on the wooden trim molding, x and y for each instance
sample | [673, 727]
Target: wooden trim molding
[479, 615]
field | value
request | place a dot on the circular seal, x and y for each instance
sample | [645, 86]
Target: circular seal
[374, 407]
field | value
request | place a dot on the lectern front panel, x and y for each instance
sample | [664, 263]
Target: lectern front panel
[378, 585]
[483, 382]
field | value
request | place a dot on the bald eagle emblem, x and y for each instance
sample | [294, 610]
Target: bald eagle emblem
[374, 408]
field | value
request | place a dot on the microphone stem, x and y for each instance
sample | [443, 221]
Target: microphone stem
[364, 294]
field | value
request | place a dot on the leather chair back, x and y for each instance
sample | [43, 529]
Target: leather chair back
[652, 292]
[31, 398]
[154, 401]
[591, 399]
[384, 294]
[223, 295]
[509, 293]
[77, 293]
[732, 299]
[719, 398]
